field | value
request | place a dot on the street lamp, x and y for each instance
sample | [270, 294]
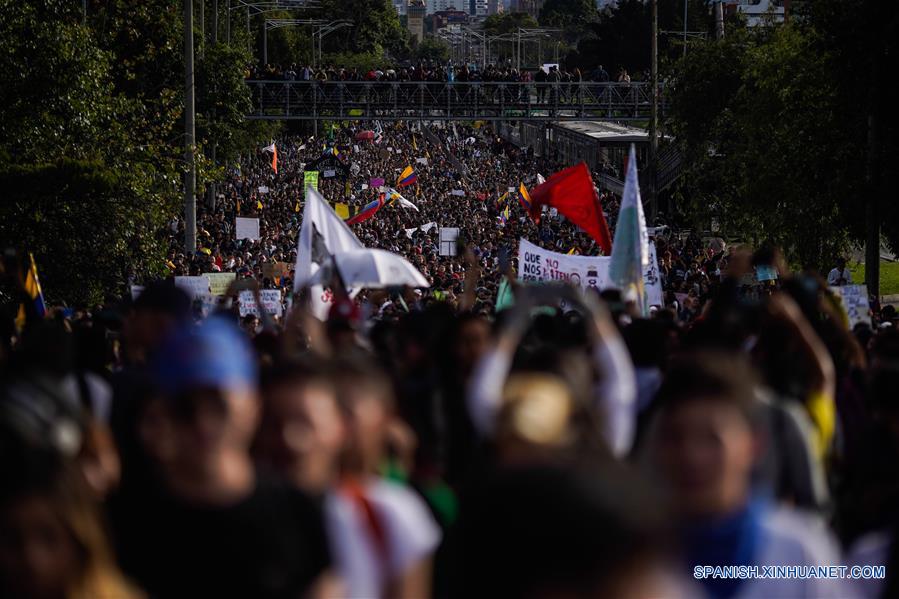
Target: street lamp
[322, 32]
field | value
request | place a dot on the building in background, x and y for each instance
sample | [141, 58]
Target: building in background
[532, 7]
[452, 19]
[494, 7]
[415, 19]
[442, 5]
[400, 6]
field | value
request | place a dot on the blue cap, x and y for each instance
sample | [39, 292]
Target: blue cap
[215, 354]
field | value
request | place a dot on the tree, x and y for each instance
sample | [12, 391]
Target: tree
[572, 15]
[508, 22]
[433, 49]
[80, 220]
[754, 116]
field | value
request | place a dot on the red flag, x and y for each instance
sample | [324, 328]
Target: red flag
[571, 192]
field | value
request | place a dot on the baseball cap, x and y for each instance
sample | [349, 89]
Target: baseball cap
[214, 354]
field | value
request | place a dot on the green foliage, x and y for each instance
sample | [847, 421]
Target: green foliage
[755, 116]
[376, 28]
[572, 15]
[508, 22]
[773, 123]
[223, 101]
[433, 48]
[363, 62]
[79, 220]
[620, 36]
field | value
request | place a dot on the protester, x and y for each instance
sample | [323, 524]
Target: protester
[479, 436]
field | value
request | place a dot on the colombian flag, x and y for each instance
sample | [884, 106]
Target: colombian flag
[35, 302]
[524, 198]
[504, 215]
[368, 211]
[407, 177]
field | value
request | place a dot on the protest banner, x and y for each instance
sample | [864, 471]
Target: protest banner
[246, 228]
[310, 179]
[195, 286]
[537, 264]
[447, 237]
[854, 301]
[270, 298]
[219, 282]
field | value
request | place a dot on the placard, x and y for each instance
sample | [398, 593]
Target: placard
[246, 228]
[448, 237]
[329, 173]
[263, 189]
[270, 298]
[219, 282]
[458, 192]
[854, 300]
[195, 286]
[310, 179]
[136, 290]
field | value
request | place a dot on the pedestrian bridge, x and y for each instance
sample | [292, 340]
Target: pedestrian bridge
[452, 101]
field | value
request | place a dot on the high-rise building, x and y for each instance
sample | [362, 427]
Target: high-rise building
[415, 19]
[400, 6]
[441, 5]
[494, 7]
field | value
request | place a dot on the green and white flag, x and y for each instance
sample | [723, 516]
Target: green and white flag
[630, 249]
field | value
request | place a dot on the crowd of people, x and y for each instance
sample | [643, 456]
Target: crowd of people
[435, 72]
[444, 441]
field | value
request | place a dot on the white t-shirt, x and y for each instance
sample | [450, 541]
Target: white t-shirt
[792, 538]
[833, 278]
[411, 533]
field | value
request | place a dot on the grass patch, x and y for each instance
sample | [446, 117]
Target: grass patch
[889, 276]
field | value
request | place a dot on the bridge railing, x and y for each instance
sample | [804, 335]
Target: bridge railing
[451, 100]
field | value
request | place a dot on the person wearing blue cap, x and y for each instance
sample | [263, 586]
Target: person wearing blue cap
[215, 527]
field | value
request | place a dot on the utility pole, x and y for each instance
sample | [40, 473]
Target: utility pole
[215, 22]
[654, 112]
[686, 4]
[719, 19]
[228, 23]
[202, 26]
[190, 174]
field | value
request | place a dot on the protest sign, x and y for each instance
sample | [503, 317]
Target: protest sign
[195, 286]
[537, 264]
[270, 298]
[458, 192]
[263, 189]
[854, 300]
[219, 282]
[448, 237]
[310, 179]
[136, 290]
[376, 181]
[246, 228]
[329, 173]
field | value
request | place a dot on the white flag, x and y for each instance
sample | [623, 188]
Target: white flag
[270, 148]
[630, 249]
[323, 234]
[393, 194]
